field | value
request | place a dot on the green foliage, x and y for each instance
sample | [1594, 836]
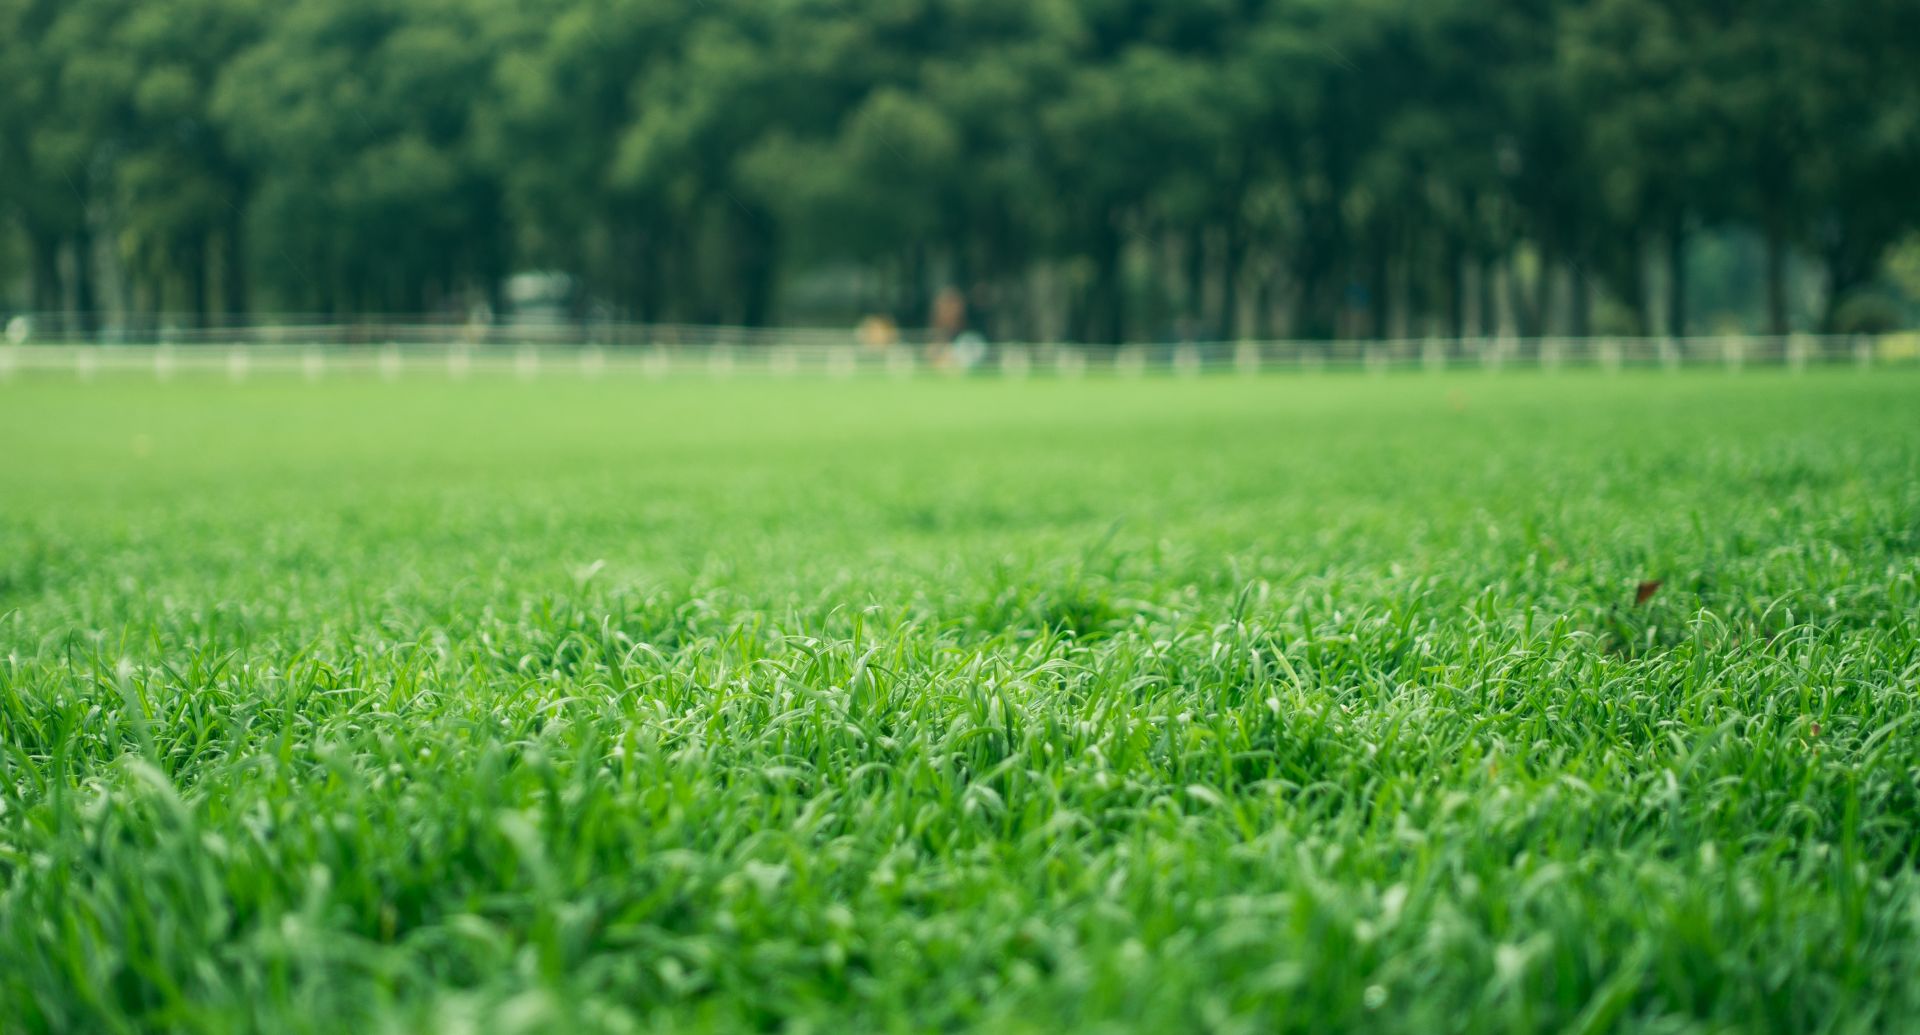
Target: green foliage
[1107, 170]
[1212, 705]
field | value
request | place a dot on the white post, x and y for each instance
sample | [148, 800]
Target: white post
[1069, 362]
[1246, 358]
[1862, 351]
[1014, 362]
[163, 363]
[1373, 357]
[237, 363]
[720, 361]
[459, 362]
[593, 362]
[389, 364]
[1186, 359]
[841, 362]
[1130, 361]
[313, 364]
[1610, 355]
[900, 361]
[526, 364]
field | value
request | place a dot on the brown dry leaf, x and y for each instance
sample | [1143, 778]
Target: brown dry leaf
[1645, 591]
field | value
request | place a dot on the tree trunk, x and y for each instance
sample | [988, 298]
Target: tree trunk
[1230, 270]
[1580, 312]
[1322, 275]
[1543, 293]
[1315, 315]
[1417, 282]
[1848, 268]
[1456, 288]
[1677, 277]
[1488, 305]
[48, 304]
[759, 267]
[1105, 307]
[1379, 293]
[912, 307]
[1776, 282]
[1633, 284]
[1196, 294]
[85, 299]
[234, 280]
[646, 281]
[1524, 323]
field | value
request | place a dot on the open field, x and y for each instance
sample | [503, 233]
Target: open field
[1242, 705]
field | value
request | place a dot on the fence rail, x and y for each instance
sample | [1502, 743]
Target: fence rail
[416, 329]
[792, 354]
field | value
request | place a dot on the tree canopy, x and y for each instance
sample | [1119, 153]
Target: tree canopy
[1097, 170]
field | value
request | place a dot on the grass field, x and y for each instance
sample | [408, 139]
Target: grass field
[1292, 704]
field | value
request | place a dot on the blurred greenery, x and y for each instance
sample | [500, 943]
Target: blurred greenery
[1095, 170]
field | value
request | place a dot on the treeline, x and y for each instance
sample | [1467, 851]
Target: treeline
[1097, 170]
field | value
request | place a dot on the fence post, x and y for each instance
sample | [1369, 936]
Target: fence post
[1610, 360]
[389, 363]
[1862, 351]
[163, 362]
[1015, 363]
[1186, 359]
[1669, 354]
[313, 363]
[900, 361]
[1068, 361]
[237, 363]
[1246, 358]
[526, 363]
[1797, 349]
[840, 361]
[1373, 358]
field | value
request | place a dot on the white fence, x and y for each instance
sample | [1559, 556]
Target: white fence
[811, 355]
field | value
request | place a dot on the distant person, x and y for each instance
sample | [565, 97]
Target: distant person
[877, 332]
[949, 315]
[969, 350]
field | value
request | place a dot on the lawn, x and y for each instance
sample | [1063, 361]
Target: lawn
[1299, 703]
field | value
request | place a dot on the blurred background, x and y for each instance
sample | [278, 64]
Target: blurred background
[1019, 170]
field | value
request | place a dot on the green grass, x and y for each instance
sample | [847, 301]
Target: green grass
[1298, 704]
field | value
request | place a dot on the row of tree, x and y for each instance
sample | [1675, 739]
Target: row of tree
[1099, 170]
